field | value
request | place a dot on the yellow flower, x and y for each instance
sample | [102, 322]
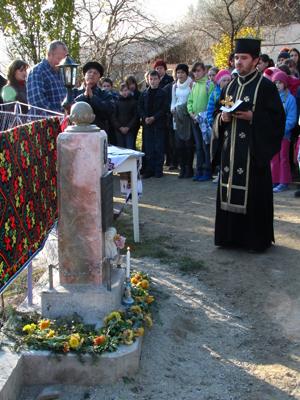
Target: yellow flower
[148, 321]
[139, 298]
[136, 309]
[149, 299]
[134, 281]
[29, 328]
[44, 324]
[75, 341]
[128, 336]
[113, 315]
[143, 284]
[50, 334]
[139, 331]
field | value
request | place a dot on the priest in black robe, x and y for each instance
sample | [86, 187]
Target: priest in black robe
[243, 144]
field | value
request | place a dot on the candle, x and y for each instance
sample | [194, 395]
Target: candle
[128, 263]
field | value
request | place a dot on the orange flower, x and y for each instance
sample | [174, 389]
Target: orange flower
[149, 299]
[138, 277]
[66, 347]
[98, 340]
[44, 324]
[139, 331]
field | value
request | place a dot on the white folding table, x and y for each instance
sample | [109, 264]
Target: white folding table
[128, 162]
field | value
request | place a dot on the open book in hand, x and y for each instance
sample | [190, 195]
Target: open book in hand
[229, 106]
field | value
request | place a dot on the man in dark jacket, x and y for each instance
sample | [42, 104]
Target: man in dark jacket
[165, 79]
[125, 118]
[153, 108]
[100, 100]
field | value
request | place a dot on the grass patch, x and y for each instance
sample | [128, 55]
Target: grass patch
[149, 247]
[159, 247]
[188, 265]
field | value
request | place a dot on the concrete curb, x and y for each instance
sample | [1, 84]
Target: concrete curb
[46, 368]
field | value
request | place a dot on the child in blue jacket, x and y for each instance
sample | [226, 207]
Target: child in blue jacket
[222, 78]
[280, 164]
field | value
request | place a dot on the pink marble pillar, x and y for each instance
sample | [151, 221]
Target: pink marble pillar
[80, 237]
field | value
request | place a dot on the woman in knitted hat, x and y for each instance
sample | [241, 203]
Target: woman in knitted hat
[222, 78]
[280, 164]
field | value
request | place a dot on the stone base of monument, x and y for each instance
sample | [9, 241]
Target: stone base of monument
[90, 302]
[44, 368]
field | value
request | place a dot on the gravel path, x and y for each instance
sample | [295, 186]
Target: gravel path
[228, 330]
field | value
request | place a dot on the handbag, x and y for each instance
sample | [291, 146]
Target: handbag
[204, 126]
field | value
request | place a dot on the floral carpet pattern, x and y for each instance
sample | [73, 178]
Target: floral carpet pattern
[28, 198]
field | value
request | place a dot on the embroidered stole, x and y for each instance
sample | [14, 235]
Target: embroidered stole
[235, 156]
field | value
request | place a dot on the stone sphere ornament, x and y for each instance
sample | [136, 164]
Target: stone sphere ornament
[81, 113]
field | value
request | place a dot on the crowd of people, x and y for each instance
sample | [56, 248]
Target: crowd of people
[183, 123]
[176, 112]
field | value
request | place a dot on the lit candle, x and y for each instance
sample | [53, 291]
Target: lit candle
[128, 263]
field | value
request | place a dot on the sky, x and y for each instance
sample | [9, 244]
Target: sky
[168, 11]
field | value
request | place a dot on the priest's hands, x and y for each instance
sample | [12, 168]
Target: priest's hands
[245, 115]
[226, 117]
[149, 120]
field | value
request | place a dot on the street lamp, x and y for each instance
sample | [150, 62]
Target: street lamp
[68, 69]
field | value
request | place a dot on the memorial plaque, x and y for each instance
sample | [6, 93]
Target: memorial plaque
[107, 208]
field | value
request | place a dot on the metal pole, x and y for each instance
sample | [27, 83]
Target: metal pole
[29, 284]
[51, 276]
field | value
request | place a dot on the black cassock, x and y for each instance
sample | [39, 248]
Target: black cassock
[243, 150]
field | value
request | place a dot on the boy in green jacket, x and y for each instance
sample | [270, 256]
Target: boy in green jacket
[197, 102]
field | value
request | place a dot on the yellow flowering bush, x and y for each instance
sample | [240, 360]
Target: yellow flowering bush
[224, 47]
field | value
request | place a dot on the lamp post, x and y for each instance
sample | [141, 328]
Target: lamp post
[68, 70]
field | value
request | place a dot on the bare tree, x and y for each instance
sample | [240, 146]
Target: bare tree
[109, 27]
[216, 17]
[276, 12]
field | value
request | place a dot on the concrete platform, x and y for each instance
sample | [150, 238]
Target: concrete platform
[92, 303]
[45, 368]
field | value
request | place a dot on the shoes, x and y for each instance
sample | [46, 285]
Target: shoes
[147, 175]
[196, 177]
[188, 172]
[173, 167]
[216, 179]
[280, 188]
[297, 193]
[204, 178]
[181, 173]
[159, 175]
[274, 185]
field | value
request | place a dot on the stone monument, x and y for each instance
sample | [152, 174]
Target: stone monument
[82, 158]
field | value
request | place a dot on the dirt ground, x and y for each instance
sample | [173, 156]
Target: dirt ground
[227, 324]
